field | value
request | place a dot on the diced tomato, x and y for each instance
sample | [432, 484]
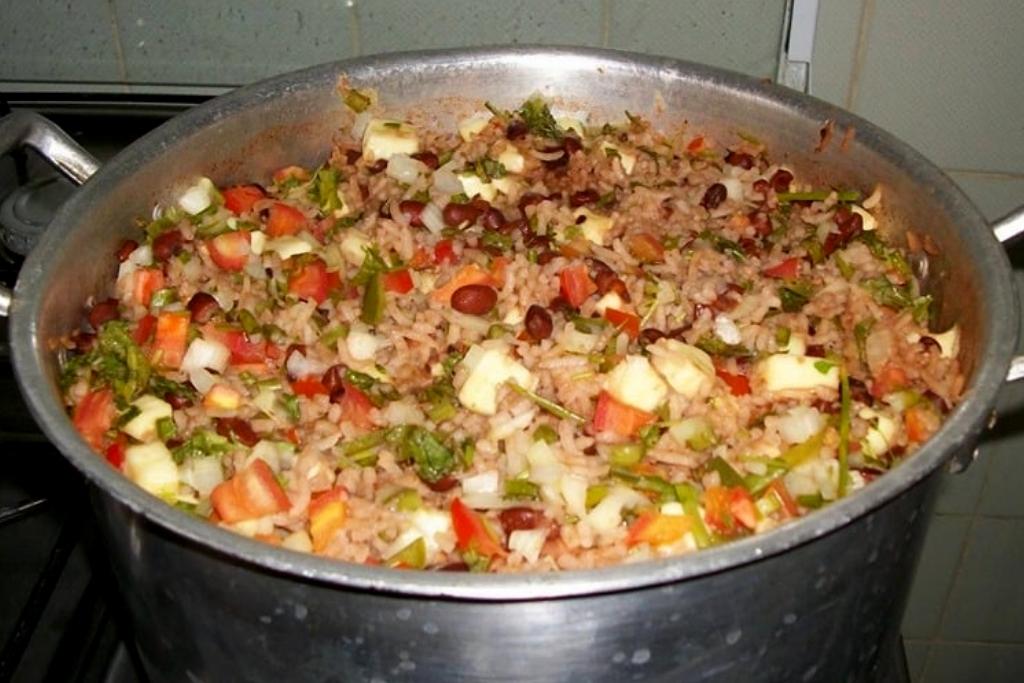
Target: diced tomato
[444, 252]
[170, 339]
[356, 407]
[695, 145]
[498, 266]
[243, 351]
[421, 259]
[576, 285]
[94, 415]
[472, 532]
[327, 514]
[253, 492]
[285, 220]
[398, 281]
[645, 247]
[240, 198]
[115, 452]
[283, 175]
[312, 281]
[919, 423]
[143, 331]
[626, 322]
[467, 275]
[738, 384]
[725, 506]
[292, 434]
[656, 528]
[230, 250]
[786, 270]
[145, 282]
[309, 386]
[889, 379]
[789, 506]
[612, 416]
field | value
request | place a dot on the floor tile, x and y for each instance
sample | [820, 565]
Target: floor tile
[943, 544]
[917, 655]
[835, 49]
[959, 493]
[975, 663]
[396, 25]
[54, 40]
[936, 72]
[199, 42]
[1001, 496]
[742, 35]
[987, 601]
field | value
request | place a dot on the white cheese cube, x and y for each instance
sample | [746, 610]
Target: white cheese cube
[151, 410]
[473, 186]
[783, 372]
[687, 369]
[471, 126]
[490, 365]
[384, 138]
[594, 227]
[512, 160]
[353, 247]
[199, 197]
[288, 246]
[635, 383]
[626, 159]
[151, 466]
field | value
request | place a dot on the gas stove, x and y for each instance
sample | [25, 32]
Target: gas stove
[61, 617]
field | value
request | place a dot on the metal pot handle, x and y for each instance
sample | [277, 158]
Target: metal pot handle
[1008, 229]
[24, 128]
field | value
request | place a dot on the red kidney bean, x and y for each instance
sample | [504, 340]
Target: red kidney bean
[571, 144]
[474, 299]
[516, 130]
[102, 312]
[493, 219]
[533, 241]
[741, 159]
[560, 305]
[760, 222]
[781, 180]
[859, 392]
[529, 199]
[412, 210]
[428, 159]
[177, 401]
[538, 322]
[714, 196]
[588, 196]
[83, 341]
[167, 244]
[238, 428]
[443, 484]
[545, 257]
[377, 166]
[352, 156]
[815, 350]
[761, 186]
[650, 335]
[598, 267]
[126, 249]
[384, 210]
[927, 342]
[333, 378]
[520, 518]
[456, 214]
[202, 306]
[480, 204]
[749, 246]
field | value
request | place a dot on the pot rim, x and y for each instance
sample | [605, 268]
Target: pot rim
[960, 431]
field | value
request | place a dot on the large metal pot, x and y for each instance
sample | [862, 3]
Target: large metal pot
[813, 600]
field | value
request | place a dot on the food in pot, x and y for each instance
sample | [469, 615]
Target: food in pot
[538, 342]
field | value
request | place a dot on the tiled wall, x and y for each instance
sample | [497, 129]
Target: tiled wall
[138, 44]
[945, 75]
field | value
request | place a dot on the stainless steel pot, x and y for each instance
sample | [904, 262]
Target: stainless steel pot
[814, 600]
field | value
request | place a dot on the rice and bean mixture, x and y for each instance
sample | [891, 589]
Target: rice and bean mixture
[533, 343]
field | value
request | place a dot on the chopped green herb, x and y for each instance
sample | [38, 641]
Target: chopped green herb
[165, 428]
[496, 240]
[116, 360]
[326, 189]
[823, 366]
[404, 500]
[860, 334]
[782, 335]
[845, 269]
[521, 489]
[588, 325]
[890, 256]
[538, 119]
[433, 460]
[290, 403]
[547, 404]
[595, 494]
[500, 114]
[487, 169]
[373, 300]
[545, 433]
[723, 245]
[201, 444]
[714, 346]
[727, 474]
[412, 556]
[626, 454]
[250, 325]
[818, 196]
[795, 296]
[459, 198]
[332, 335]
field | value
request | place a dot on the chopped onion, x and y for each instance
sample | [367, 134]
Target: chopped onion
[206, 354]
[360, 122]
[298, 365]
[800, 423]
[445, 180]
[733, 188]
[607, 515]
[488, 501]
[433, 219]
[201, 379]
[202, 474]
[199, 197]
[361, 344]
[528, 542]
[485, 482]
[506, 428]
[404, 169]
[574, 341]
[573, 488]
[473, 323]
[726, 330]
[267, 452]
[253, 269]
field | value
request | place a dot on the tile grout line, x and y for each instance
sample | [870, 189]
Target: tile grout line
[115, 32]
[354, 32]
[867, 12]
[606, 22]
